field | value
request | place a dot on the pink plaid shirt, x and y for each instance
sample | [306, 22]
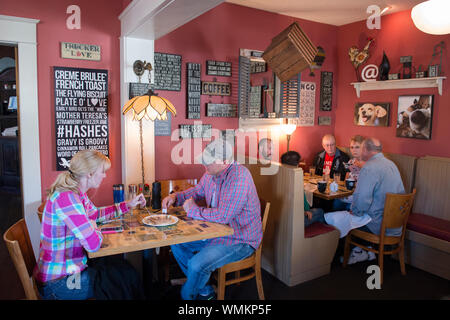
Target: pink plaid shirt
[68, 228]
[237, 204]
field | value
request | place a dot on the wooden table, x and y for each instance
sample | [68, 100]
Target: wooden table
[328, 195]
[138, 236]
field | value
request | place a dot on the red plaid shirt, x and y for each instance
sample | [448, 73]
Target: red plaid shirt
[237, 204]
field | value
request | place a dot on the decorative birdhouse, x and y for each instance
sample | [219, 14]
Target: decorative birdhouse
[290, 52]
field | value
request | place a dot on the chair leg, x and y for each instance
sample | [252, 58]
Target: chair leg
[221, 277]
[346, 251]
[259, 283]
[401, 256]
[380, 262]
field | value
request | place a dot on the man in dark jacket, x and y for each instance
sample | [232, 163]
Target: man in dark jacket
[331, 160]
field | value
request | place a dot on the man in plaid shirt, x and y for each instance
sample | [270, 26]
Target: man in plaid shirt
[231, 198]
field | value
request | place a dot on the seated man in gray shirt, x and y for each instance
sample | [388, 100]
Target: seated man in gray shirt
[377, 177]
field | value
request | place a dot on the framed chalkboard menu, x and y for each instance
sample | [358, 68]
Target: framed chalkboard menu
[167, 71]
[192, 131]
[193, 87]
[218, 68]
[81, 112]
[326, 90]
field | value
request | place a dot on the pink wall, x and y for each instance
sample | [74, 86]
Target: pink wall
[99, 25]
[397, 37]
[218, 35]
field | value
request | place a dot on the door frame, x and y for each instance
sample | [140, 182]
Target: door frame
[22, 33]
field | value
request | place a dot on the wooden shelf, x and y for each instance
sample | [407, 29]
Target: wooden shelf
[435, 82]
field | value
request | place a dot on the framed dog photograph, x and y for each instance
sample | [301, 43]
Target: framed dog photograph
[374, 114]
[414, 116]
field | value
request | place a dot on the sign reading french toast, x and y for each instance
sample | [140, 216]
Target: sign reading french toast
[81, 112]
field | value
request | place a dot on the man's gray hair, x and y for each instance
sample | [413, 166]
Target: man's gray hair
[218, 149]
[373, 145]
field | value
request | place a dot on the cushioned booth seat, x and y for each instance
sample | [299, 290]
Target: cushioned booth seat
[434, 227]
[316, 229]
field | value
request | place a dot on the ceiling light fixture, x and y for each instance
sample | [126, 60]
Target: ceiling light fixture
[385, 9]
[432, 16]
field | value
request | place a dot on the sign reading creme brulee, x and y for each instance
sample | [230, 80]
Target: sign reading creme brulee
[81, 112]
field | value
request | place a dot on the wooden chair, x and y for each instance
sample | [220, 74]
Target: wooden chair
[397, 208]
[254, 262]
[19, 246]
[40, 210]
[167, 186]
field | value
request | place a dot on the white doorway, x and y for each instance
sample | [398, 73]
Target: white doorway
[21, 32]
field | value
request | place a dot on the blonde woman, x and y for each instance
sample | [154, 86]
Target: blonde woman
[69, 228]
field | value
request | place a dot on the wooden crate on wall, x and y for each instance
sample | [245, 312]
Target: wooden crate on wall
[290, 52]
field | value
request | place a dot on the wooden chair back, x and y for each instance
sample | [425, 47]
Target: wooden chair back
[40, 210]
[254, 261]
[20, 249]
[397, 208]
[167, 186]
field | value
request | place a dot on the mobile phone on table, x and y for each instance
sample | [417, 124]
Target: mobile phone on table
[111, 230]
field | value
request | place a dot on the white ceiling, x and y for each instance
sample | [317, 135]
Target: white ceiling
[334, 12]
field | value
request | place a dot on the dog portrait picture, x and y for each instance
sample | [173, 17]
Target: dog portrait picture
[372, 114]
[414, 116]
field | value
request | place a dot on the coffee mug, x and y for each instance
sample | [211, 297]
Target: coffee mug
[350, 184]
[321, 186]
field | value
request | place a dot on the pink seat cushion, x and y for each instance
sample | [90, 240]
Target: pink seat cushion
[316, 229]
[434, 227]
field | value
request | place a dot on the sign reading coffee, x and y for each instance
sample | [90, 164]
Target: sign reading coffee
[216, 88]
[81, 112]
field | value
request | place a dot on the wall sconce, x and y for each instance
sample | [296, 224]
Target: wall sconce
[432, 16]
[288, 129]
[149, 106]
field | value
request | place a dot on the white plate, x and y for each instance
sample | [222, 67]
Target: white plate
[160, 220]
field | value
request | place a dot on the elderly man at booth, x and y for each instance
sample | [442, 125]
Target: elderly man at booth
[331, 159]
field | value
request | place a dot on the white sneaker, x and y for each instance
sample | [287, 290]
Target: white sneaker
[371, 255]
[357, 255]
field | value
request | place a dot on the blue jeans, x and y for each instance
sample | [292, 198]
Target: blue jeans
[317, 216]
[75, 287]
[198, 260]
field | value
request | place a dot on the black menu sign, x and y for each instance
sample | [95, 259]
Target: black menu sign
[81, 112]
[218, 68]
[326, 90]
[193, 87]
[167, 72]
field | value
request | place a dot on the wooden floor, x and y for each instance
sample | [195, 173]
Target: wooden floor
[340, 284]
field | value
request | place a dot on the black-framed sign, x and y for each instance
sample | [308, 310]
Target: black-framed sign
[224, 110]
[193, 88]
[192, 131]
[216, 88]
[326, 90]
[167, 71]
[81, 112]
[218, 68]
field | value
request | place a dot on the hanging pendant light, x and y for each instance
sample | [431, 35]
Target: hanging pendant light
[149, 106]
[432, 16]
